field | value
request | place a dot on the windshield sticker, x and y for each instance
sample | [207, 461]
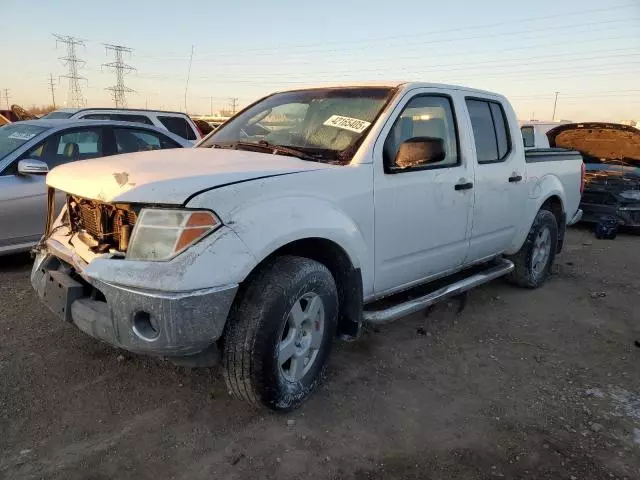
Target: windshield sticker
[22, 136]
[347, 123]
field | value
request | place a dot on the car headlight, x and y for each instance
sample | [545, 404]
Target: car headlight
[160, 234]
[631, 195]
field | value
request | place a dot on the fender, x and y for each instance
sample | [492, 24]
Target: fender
[542, 189]
[270, 213]
[269, 225]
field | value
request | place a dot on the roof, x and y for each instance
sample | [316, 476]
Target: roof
[408, 85]
[77, 122]
[112, 109]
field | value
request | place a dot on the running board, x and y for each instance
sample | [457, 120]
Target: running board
[502, 267]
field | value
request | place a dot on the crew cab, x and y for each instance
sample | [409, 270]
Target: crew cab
[305, 215]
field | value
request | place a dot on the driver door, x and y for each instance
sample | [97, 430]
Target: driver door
[422, 210]
[23, 203]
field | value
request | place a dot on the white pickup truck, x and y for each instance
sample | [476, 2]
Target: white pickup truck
[287, 226]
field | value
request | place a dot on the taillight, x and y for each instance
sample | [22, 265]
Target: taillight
[582, 177]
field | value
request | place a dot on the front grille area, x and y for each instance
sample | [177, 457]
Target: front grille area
[109, 225]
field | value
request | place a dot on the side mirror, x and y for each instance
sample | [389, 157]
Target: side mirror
[420, 151]
[32, 167]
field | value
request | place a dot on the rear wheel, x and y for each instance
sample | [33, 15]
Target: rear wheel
[280, 332]
[534, 260]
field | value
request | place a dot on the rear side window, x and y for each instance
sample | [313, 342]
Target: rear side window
[490, 130]
[136, 140]
[121, 117]
[179, 126]
[528, 136]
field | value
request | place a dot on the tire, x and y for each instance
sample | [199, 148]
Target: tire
[283, 308]
[528, 272]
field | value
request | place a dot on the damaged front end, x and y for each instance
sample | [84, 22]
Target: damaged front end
[611, 154]
[104, 227]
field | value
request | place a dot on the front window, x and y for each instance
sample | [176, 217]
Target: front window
[14, 135]
[324, 124]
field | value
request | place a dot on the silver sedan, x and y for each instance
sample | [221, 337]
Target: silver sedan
[28, 150]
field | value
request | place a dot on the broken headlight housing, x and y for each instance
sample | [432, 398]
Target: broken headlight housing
[161, 234]
[631, 195]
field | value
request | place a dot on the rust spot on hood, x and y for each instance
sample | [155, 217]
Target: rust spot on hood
[121, 178]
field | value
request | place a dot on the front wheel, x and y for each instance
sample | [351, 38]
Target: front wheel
[534, 259]
[279, 333]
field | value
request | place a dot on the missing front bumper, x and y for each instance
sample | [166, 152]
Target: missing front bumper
[141, 321]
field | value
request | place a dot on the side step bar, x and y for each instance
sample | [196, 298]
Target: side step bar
[502, 267]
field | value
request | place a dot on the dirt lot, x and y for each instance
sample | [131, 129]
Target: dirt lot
[524, 384]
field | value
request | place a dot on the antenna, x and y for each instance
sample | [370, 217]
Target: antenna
[119, 90]
[72, 62]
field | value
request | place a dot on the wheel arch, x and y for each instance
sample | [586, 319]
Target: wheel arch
[344, 270]
[554, 204]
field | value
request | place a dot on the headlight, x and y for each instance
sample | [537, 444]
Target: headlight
[631, 195]
[160, 234]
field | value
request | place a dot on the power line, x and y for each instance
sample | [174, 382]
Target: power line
[368, 40]
[234, 103]
[119, 90]
[53, 95]
[6, 97]
[72, 62]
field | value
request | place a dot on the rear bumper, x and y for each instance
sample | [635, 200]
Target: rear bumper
[628, 215]
[141, 321]
[576, 218]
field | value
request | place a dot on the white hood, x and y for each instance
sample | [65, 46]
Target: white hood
[169, 176]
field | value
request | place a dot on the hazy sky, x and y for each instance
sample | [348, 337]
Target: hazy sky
[587, 50]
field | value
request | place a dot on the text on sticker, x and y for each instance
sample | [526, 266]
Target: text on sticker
[22, 136]
[347, 123]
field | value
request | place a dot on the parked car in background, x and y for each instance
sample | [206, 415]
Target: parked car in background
[29, 149]
[534, 134]
[204, 127]
[175, 122]
[287, 224]
[611, 154]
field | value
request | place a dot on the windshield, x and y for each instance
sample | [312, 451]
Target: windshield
[324, 124]
[15, 134]
[58, 115]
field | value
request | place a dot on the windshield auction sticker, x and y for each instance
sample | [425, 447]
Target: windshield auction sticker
[347, 123]
[21, 136]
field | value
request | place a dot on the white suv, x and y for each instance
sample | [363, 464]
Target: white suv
[175, 122]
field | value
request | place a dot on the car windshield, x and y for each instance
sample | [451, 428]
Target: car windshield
[324, 124]
[58, 115]
[15, 134]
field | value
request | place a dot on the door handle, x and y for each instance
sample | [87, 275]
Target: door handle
[515, 178]
[463, 186]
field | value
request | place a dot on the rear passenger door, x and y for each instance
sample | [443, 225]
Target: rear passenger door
[498, 179]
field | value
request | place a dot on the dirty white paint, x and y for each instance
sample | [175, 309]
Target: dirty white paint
[398, 229]
[168, 176]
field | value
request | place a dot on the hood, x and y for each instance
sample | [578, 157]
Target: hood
[169, 176]
[599, 142]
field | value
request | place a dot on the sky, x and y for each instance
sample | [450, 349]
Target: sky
[586, 50]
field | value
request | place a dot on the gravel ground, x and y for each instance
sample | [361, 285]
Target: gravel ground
[523, 384]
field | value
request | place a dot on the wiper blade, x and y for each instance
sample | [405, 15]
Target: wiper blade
[272, 148]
